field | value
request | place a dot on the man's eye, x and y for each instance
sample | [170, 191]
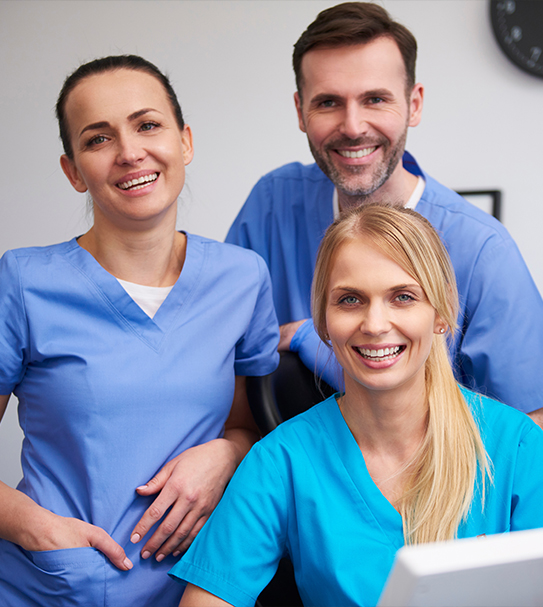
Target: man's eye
[328, 103]
[376, 100]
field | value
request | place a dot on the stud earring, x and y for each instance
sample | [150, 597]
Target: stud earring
[442, 330]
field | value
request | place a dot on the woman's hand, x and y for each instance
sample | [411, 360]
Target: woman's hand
[190, 485]
[64, 532]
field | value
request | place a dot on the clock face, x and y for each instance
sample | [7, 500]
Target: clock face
[518, 27]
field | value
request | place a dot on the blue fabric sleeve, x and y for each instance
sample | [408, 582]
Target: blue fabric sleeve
[237, 552]
[504, 314]
[251, 228]
[13, 326]
[316, 356]
[258, 347]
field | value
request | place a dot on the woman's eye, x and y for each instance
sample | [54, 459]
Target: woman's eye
[350, 300]
[96, 140]
[148, 126]
[405, 298]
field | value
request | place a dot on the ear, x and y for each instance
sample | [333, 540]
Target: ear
[415, 104]
[298, 104]
[440, 328]
[74, 177]
[188, 149]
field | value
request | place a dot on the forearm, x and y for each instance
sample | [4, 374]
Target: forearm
[241, 439]
[22, 521]
[197, 597]
[537, 416]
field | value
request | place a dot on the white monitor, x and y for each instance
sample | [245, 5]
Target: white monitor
[490, 571]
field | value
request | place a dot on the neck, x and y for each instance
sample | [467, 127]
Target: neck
[386, 421]
[396, 190]
[152, 257]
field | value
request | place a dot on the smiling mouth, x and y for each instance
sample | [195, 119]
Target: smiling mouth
[381, 353]
[357, 153]
[137, 184]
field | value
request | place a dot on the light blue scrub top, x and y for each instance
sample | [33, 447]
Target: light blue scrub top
[501, 310]
[304, 490]
[108, 395]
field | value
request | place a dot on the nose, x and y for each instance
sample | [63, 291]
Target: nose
[354, 124]
[376, 320]
[129, 150]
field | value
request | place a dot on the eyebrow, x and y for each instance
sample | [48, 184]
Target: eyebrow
[104, 124]
[391, 290]
[334, 97]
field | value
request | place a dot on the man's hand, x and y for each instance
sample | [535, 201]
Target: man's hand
[286, 333]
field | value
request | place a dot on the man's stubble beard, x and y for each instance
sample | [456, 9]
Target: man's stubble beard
[359, 194]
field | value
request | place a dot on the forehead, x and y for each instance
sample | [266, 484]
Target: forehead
[373, 65]
[115, 94]
[365, 266]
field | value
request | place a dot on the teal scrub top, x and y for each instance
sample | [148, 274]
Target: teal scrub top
[305, 491]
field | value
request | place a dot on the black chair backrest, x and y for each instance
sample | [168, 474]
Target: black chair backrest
[291, 389]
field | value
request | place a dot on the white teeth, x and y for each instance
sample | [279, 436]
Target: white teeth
[358, 153]
[140, 182]
[381, 353]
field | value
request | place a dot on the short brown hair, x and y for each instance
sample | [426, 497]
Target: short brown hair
[353, 23]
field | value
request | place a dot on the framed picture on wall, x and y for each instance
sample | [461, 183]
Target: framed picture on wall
[489, 201]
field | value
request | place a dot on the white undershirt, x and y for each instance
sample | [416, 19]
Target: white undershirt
[410, 204]
[149, 299]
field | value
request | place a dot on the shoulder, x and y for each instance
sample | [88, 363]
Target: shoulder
[499, 423]
[35, 257]
[295, 171]
[290, 182]
[226, 257]
[295, 435]
[452, 215]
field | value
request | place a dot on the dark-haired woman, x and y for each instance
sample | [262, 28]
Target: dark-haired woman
[127, 349]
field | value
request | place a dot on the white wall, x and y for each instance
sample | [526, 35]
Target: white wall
[230, 64]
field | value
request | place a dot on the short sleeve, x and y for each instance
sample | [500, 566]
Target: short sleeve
[237, 552]
[13, 325]
[256, 351]
[503, 307]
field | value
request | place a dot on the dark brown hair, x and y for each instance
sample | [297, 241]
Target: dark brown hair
[108, 64]
[353, 23]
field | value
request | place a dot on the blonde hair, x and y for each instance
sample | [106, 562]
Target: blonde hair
[439, 495]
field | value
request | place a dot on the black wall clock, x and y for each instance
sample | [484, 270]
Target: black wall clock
[518, 27]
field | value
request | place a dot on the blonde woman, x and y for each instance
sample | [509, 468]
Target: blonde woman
[404, 456]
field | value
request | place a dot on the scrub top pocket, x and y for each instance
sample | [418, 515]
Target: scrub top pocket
[64, 578]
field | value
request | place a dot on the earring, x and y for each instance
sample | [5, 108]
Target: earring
[442, 330]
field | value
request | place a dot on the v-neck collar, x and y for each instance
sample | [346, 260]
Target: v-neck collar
[386, 517]
[150, 330]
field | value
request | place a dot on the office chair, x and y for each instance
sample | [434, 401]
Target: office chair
[291, 389]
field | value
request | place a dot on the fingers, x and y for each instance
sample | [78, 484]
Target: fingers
[154, 513]
[179, 540]
[102, 541]
[156, 483]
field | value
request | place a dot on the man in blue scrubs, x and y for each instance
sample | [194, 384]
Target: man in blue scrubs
[356, 97]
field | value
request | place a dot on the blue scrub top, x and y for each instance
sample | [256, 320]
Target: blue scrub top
[501, 310]
[108, 395]
[305, 491]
